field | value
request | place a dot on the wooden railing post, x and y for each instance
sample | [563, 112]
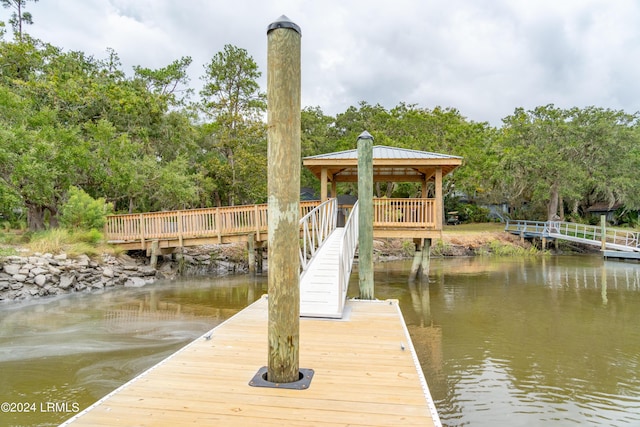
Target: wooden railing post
[180, 231]
[142, 243]
[218, 225]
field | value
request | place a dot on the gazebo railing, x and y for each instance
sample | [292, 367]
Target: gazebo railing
[404, 213]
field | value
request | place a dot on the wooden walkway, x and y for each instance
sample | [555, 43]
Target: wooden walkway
[366, 374]
[401, 218]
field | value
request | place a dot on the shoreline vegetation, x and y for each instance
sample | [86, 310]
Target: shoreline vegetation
[60, 262]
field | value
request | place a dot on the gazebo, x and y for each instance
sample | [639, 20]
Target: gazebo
[417, 218]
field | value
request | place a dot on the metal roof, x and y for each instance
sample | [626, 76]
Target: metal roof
[385, 152]
[389, 164]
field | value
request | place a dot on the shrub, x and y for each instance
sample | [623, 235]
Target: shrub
[81, 211]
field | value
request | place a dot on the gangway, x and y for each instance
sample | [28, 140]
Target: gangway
[615, 239]
[326, 255]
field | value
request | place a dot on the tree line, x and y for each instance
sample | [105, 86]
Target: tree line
[144, 141]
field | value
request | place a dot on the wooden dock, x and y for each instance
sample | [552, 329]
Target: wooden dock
[366, 373]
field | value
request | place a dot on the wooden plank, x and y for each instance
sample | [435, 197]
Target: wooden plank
[366, 373]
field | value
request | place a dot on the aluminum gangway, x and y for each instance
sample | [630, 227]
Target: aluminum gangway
[326, 260]
[616, 239]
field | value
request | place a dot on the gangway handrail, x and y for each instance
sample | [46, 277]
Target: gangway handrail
[613, 238]
[347, 252]
[316, 226]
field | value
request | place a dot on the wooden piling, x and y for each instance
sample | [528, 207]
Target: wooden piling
[259, 257]
[251, 253]
[421, 259]
[417, 260]
[365, 215]
[426, 257]
[155, 248]
[603, 232]
[283, 116]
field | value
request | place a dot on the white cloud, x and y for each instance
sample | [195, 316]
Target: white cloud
[484, 58]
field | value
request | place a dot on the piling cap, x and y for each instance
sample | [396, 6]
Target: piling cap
[365, 135]
[283, 22]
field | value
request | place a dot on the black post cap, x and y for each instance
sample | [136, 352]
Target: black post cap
[365, 135]
[284, 22]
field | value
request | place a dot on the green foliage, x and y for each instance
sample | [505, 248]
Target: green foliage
[92, 236]
[19, 16]
[8, 252]
[440, 248]
[234, 139]
[138, 142]
[468, 212]
[61, 240]
[501, 249]
[82, 212]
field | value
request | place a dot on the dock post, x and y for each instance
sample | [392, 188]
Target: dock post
[153, 262]
[603, 232]
[365, 215]
[417, 259]
[259, 257]
[283, 118]
[251, 253]
[426, 258]
[421, 259]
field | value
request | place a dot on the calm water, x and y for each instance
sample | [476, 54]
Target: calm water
[534, 342]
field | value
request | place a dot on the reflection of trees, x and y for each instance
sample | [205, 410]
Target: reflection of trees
[557, 332]
[215, 303]
[196, 298]
[562, 324]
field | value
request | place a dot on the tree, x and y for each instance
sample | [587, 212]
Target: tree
[555, 158]
[168, 82]
[19, 16]
[232, 100]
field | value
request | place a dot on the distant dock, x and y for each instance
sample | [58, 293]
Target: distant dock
[366, 373]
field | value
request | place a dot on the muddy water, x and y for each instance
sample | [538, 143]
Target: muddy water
[58, 356]
[503, 342]
[536, 342]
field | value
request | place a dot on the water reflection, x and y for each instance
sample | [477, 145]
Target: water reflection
[503, 342]
[78, 348]
[550, 341]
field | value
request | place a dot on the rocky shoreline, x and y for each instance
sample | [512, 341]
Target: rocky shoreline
[40, 275]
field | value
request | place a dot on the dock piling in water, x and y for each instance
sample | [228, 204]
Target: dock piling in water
[365, 215]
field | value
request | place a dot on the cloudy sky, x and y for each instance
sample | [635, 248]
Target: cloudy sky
[482, 57]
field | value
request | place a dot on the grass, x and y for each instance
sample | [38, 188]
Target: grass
[73, 243]
[476, 227]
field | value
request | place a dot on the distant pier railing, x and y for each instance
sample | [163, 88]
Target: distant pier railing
[596, 235]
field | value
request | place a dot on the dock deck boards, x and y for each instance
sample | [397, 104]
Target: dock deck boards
[363, 377]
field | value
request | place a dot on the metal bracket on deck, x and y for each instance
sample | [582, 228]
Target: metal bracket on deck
[303, 383]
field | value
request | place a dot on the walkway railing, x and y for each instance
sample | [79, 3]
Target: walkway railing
[612, 238]
[235, 223]
[192, 223]
[398, 213]
[315, 227]
[348, 252]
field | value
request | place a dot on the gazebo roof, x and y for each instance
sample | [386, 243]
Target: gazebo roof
[389, 164]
